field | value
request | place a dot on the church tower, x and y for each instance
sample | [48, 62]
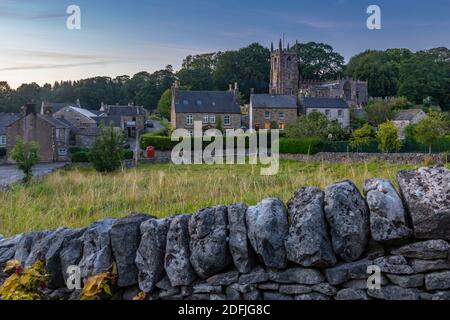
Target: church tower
[284, 74]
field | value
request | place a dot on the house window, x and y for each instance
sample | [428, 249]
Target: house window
[60, 134]
[281, 125]
[340, 113]
[199, 102]
[205, 119]
[226, 120]
[327, 113]
[62, 152]
[189, 119]
[267, 115]
[2, 140]
[185, 102]
[281, 115]
[212, 119]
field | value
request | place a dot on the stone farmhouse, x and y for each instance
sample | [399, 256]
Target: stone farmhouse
[131, 119]
[272, 111]
[5, 120]
[51, 134]
[205, 106]
[335, 109]
[407, 117]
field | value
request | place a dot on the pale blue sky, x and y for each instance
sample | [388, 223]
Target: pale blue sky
[124, 37]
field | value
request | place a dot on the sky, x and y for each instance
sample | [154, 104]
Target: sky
[119, 37]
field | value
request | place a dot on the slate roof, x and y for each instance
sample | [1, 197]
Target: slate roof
[84, 112]
[57, 123]
[56, 106]
[323, 103]
[273, 101]
[124, 110]
[206, 101]
[407, 115]
[6, 119]
[116, 120]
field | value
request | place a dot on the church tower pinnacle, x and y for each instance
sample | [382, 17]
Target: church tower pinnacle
[284, 72]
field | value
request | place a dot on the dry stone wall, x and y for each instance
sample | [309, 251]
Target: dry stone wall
[319, 246]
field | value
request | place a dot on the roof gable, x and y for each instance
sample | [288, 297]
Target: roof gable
[206, 101]
[273, 101]
[324, 103]
[6, 119]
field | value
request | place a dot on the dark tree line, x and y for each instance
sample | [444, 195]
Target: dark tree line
[417, 76]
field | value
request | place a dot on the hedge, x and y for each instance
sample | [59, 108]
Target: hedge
[2, 152]
[80, 157]
[303, 146]
[128, 154]
[76, 149]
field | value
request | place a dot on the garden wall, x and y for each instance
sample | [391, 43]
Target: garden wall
[350, 157]
[318, 246]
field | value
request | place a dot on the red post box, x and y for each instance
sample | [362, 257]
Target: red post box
[150, 152]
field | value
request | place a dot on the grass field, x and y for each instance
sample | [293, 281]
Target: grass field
[78, 196]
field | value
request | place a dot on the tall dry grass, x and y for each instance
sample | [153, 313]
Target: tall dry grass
[78, 196]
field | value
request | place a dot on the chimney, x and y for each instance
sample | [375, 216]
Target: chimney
[48, 111]
[252, 90]
[30, 108]
[230, 87]
[78, 103]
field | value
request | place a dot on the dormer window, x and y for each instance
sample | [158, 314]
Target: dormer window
[185, 102]
[199, 102]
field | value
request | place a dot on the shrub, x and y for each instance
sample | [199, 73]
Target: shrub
[80, 157]
[24, 283]
[77, 149]
[2, 152]
[107, 151]
[26, 156]
[160, 143]
[128, 154]
[388, 137]
[303, 146]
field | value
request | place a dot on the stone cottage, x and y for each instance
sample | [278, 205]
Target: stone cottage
[207, 107]
[335, 109]
[131, 119]
[272, 111]
[50, 134]
[406, 117]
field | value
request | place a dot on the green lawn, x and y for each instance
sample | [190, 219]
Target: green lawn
[78, 196]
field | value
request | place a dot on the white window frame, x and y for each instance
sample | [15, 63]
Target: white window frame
[2, 140]
[328, 112]
[227, 120]
[282, 115]
[340, 113]
[189, 119]
[266, 114]
[205, 119]
[212, 119]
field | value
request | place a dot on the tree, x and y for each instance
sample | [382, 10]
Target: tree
[107, 150]
[362, 136]
[388, 137]
[319, 61]
[26, 156]
[379, 111]
[376, 68]
[430, 129]
[314, 125]
[164, 104]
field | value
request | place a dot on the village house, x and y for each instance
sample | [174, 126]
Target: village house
[335, 109]
[406, 117]
[50, 134]
[207, 107]
[5, 120]
[78, 117]
[272, 111]
[131, 119]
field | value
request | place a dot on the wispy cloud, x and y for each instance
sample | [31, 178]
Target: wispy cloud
[58, 66]
[7, 12]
